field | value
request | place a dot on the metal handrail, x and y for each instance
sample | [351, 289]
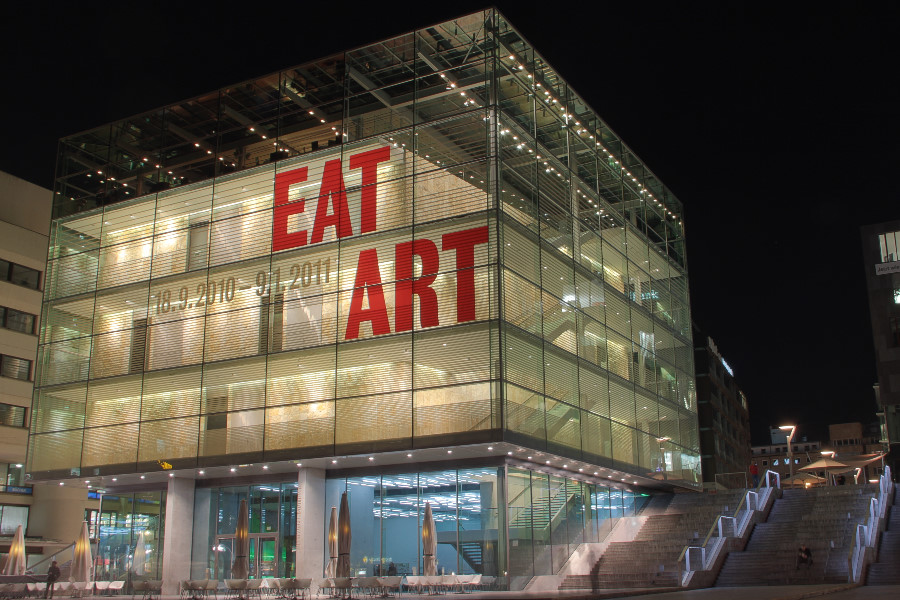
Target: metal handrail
[866, 536]
[51, 557]
[717, 523]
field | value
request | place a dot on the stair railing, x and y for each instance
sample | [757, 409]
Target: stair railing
[708, 552]
[866, 535]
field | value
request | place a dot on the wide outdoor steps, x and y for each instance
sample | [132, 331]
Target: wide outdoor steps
[651, 560]
[822, 518]
[887, 570]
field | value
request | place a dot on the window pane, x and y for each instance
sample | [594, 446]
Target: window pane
[19, 321]
[17, 368]
[12, 416]
[24, 276]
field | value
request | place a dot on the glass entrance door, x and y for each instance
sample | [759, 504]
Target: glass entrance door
[263, 556]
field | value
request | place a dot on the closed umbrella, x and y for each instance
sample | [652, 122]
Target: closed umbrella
[139, 560]
[240, 568]
[15, 560]
[331, 569]
[81, 561]
[344, 537]
[429, 542]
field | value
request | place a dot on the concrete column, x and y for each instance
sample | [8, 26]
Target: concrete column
[177, 539]
[311, 523]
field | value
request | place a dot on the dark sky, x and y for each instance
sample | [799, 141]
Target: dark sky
[775, 125]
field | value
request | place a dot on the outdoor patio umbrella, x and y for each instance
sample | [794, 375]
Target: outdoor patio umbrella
[331, 568]
[801, 479]
[139, 560]
[14, 563]
[81, 561]
[429, 541]
[826, 464]
[829, 465]
[240, 568]
[343, 540]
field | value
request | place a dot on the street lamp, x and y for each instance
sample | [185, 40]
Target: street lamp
[790, 438]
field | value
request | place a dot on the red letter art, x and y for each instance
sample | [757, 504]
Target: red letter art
[464, 243]
[333, 187]
[407, 285]
[368, 162]
[281, 239]
[368, 279]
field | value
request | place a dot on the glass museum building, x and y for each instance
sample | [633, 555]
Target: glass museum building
[423, 270]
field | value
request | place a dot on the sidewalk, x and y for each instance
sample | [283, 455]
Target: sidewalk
[774, 592]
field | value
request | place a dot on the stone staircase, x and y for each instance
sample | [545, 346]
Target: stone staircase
[651, 560]
[886, 571]
[818, 517]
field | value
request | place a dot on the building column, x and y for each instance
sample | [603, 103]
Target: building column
[179, 525]
[309, 560]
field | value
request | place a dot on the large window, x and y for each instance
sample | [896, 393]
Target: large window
[16, 320]
[889, 243]
[19, 275]
[130, 522]
[387, 513]
[17, 368]
[11, 517]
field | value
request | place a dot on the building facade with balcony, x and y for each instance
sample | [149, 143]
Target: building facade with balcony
[423, 270]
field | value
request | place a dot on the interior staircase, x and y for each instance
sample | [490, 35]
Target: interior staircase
[651, 560]
[886, 571]
[822, 518]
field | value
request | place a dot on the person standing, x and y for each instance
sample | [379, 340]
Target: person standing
[754, 472]
[52, 578]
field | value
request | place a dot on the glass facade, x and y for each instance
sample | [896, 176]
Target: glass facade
[272, 516]
[430, 241]
[129, 523]
[435, 229]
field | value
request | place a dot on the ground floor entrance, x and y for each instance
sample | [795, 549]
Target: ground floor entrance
[263, 556]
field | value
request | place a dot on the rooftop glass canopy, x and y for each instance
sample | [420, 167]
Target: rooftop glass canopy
[474, 61]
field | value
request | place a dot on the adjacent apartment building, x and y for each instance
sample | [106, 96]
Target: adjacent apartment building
[881, 255]
[423, 270]
[50, 515]
[724, 418]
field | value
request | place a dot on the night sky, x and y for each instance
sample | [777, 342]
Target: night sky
[776, 127]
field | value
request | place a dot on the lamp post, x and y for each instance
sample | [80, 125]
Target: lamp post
[790, 439]
[830, 454]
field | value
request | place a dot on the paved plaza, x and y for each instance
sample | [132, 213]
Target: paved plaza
[775, 592]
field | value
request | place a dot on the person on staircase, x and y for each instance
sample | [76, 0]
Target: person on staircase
[804, 556]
